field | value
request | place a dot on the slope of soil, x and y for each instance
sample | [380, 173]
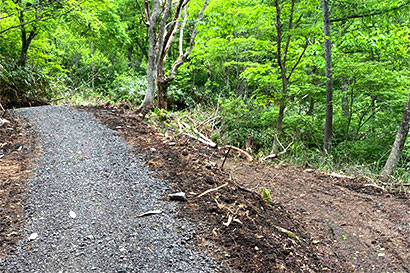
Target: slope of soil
[256, 239]
[351, 221]
[17, 149]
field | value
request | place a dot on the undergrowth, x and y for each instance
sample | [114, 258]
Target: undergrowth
[226, 126]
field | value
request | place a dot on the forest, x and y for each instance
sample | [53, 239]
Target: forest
[327, 80]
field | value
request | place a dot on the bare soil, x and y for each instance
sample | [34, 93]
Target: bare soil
[340, 224]
[350, 221]
[17, 149]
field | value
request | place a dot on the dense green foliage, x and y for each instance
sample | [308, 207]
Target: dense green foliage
[98, 49]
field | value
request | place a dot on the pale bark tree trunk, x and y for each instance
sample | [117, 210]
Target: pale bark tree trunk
[398, 144]
[161, 35]
[327, 141]
[165, 80]
[151, 22]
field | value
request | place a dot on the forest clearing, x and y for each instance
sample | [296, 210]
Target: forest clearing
[204, 136]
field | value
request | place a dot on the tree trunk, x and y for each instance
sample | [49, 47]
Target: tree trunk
[152, 59]
[163, 94]
[345, 99]
[327, 141]
[398, 144]
[25, 41]
[280, 117]
[161, 36]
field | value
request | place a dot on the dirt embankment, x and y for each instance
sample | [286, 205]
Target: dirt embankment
[17, 149]
[315, 222]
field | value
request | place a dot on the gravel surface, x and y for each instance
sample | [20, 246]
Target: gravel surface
[83, 203]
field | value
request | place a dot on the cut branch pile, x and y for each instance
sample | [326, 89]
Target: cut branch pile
[185, 128]
[276, 155]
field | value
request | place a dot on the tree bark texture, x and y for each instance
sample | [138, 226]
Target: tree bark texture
[152, 20]
[327, 142]
[398, 144]
[25, 39]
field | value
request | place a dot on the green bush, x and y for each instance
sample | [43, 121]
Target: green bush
[23, 86]
[128, 87]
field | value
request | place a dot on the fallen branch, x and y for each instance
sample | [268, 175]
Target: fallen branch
[4, 110]
[374, 186]
[202, 138]
[211, 190]
[333, 174]
[271, 156]
[230, 218]
[248, 156]
[287, 232]
[226, 156]
[3, 121]
[207, 142]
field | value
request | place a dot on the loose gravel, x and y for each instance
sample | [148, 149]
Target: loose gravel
[83, 203]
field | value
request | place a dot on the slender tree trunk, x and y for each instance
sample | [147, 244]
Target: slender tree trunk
[345, 99]
[311, 106]
[327, 142]
[398, 144]
[281, 115]
[25, 40]
[152, 59]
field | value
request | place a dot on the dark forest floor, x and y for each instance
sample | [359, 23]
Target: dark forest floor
[315, 222]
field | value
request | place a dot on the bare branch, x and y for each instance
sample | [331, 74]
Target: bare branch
[182, 58]
[299, 59]
[161, 34]
[174, 26]
[181, 33]
[144, 19]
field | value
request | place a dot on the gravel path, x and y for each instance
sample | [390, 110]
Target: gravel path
[83, 201]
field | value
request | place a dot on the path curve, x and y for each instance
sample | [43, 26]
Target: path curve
[83, 201]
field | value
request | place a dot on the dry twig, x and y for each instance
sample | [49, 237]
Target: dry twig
[278, 154]
[211, 190]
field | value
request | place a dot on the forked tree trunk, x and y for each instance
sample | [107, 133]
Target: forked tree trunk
[398, 144]
[327, 141]
[161, 36]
